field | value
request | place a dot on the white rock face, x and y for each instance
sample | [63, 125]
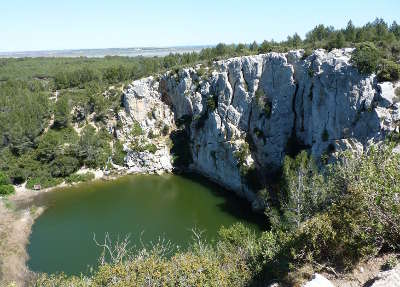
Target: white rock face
[389, 278]
[266, 101]
[143, 107]
[319, 281]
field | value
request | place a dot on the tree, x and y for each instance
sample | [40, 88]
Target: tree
[254, 47]
[395, 29]
[221, 49]
[366, 58]
[62, 113]
[388, 71]
[303, 192]
[5, 186]
[337, 41]
[350, 32]
[48, 147]
[4, 179]
[241, 48]
[294, 41]
[63, 166]
[265, 47]
[6, 189]
[93, 148]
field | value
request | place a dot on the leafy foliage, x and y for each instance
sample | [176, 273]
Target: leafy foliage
[5, 186]
[24, 113]
[79, 177]
[366, 58]
[119, 153]
[388, 71]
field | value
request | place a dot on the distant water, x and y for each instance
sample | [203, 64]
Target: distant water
[100, 53]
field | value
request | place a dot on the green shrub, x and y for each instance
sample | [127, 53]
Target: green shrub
[93, 148]
[241, 154]
[151, 134]
[267, 109]
[390, 263]
[351, 215]
[80, 177]
[388, 71]
[62, 112]
[63, 166]
[366, 58]
[212, 103]
[165, 130]
[150, 147]
[43, 182]
[6, 189]
[302, 193]
[4, 179]
[226, 264]
[136, 129]
[119, 153]
[263, 102]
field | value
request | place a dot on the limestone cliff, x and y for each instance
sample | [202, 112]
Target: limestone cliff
[246, 113]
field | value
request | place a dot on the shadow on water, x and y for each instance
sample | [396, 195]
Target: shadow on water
[237, 206]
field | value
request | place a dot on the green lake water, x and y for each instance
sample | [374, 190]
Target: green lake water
[145, 206]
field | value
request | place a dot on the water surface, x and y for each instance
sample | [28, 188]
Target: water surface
[145, 206]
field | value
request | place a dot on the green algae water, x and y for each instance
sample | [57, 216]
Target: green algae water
[145, 206]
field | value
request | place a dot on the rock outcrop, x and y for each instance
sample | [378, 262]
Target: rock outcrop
[319, 281]
[387, 278]
[244, 114]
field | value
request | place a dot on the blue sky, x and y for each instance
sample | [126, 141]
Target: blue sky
[60, 24]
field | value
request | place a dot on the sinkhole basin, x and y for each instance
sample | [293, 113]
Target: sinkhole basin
[149, 208]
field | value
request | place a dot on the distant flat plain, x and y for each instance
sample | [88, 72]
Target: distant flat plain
[99, 53]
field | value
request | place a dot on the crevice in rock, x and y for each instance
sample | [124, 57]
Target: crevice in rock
[294, 145]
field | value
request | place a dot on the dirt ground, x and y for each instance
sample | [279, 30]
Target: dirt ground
[15, 228]
[363, 275]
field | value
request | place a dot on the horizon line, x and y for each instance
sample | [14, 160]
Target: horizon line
[108, 48]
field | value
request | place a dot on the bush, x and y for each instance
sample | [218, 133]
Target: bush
[366, 58]
[263, 102]
[165, 130]
[63, 166]
[355, 215]
[4, 179]
[212, 103]
[241, 155]
[80, 177]
[226, 264]
[152, 148]
[62, 113]
[44, 182]
[390, 263]
[388, 71]
[93, 148]
[119, 153]
[6, 189]
[302, 193]
[136, 129]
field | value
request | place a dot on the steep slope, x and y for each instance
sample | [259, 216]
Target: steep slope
[244, 114]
